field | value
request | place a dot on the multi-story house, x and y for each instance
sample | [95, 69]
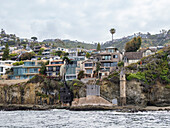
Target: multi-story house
[36, 49]
[46, 52]
[55, 68]
[5, 65]
[74, 67]
[29, 69]
[108, 60]
[89, 68]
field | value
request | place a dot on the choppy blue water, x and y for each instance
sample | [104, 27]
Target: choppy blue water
[83, 119]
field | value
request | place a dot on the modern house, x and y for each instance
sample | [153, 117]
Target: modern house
[74, 67]
[89, 68]
[29, 69]
[46, 52]
[5, 65]
[108, 59]
[55, 68]
[36, 49]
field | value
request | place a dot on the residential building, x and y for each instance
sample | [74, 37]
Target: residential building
[108, 59]
[148, 51]
[89, 68]
[55, 68]
[29, 69]
[74, 67]
[46, 52]
[131, 57]
[5, 65]
[36, 49]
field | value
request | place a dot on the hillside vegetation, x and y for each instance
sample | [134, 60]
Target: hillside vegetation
[153, 68]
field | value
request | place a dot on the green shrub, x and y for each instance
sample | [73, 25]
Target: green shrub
[18, 63]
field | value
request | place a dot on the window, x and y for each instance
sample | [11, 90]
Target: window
[89, 71]
[33, 70]
[88, 64]
[60, 62]
[50, 68]
[71, 71]
[58, 68]
[1, 69]
[106, 64]
[106, 57]
[111, 50]
[29, 63]
[115, 56]
[113, 64]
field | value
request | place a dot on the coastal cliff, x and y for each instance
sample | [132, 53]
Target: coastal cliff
[147, 84]
[36, 92]
[39, 90]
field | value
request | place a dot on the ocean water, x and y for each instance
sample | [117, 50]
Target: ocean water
[60, 118]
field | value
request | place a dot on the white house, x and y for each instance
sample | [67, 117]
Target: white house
[4, 65]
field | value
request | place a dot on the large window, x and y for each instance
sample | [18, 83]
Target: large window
[106, 64]
[71, 71]
[106, 57]
[1, 69]
[88, 64]
[33, 70]
[111, 50]
[110, 64]
[113, 64]
[89, 71]
[60, 62]
[29, 63]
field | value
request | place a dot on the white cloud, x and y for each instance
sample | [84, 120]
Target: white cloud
[85, 20]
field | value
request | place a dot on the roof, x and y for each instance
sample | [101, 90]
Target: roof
[56, 60]
[152, 49]
[110, 47]
[133, 55]
[54, 65]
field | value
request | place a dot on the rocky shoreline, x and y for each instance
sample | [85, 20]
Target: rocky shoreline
[15, 107]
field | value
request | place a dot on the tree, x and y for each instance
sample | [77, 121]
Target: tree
[41, 50]
[98, 47]
[133, 45]
[24, 46]
[27, 56]
[6, 52]
[80, 75]
[34, 38]
[112, 31]
[43, 69]
[59, 53]
[67, 60]
[88, 55]
[97, 67]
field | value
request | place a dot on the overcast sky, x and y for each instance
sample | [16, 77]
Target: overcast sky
[83, 20]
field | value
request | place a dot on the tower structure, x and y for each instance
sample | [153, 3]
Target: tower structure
[122, 88]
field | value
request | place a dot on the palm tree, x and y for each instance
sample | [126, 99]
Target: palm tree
[112, 31]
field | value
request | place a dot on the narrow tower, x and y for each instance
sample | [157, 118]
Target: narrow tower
[122, 89]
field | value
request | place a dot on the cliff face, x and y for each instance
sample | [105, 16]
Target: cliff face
[138, 94]
[25, 93]
[46, 91]
[39, 90]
